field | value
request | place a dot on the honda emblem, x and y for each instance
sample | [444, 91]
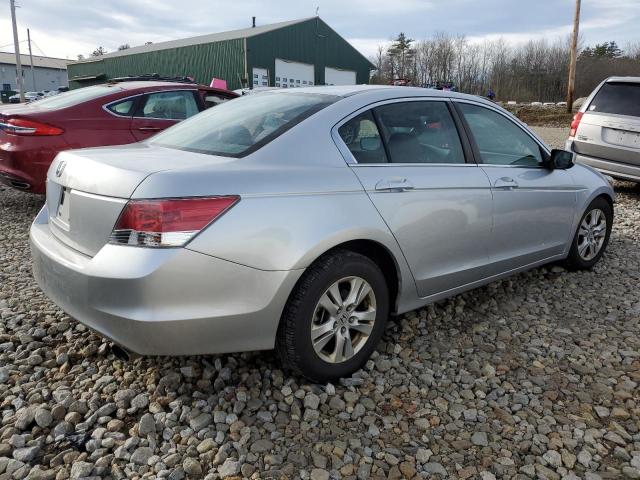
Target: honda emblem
[60, 168]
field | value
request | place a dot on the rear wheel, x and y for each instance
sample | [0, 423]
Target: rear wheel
[334, 318]
[592, 237]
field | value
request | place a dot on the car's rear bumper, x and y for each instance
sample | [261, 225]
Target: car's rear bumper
[24, 161]
[619, 170]
[170, 301]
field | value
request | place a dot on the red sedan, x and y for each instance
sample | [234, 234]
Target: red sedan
[112, 114]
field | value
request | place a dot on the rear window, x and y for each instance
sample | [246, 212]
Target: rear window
[74, 97]
[242, 126]
[618, 98]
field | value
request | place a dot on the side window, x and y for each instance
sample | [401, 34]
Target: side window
[122, 108]
[176, 105]
[361, 136]
[500, 141]
[420, 132]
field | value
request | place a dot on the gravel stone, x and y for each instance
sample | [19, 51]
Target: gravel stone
[532, 376]
[192, 467]
[480, 439]
[229, 468]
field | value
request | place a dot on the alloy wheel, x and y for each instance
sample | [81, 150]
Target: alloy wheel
[591, 234]
[343, 319]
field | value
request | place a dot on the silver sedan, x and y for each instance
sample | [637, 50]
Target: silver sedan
[301, 220]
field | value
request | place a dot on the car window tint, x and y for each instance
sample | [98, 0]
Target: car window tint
[420, 132]
[617, 98]
[121, 108]
[361, 136]
[244, 125]
[169, 105]
[500, 141]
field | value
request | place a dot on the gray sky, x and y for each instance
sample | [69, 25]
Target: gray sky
[70, 27]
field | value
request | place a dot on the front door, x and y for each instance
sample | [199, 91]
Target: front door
[409, 157]
[533, 206]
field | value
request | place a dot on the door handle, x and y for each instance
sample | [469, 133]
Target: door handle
[394, 185]
[505, 183]
[149, 129]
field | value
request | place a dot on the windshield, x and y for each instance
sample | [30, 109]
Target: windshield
[74, 97]
[243, 125]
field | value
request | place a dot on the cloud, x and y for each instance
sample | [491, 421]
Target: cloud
[79, 26]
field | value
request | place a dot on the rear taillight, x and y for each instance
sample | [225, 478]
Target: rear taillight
[21, 126]
[167, 223]
[575, 123]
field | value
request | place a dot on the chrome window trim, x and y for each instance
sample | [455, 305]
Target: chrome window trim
[351, 160]
[106, 106]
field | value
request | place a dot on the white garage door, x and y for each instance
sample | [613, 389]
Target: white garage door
[260, 77]
[334, 76]
[293, 74]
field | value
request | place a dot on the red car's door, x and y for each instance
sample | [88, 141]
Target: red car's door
[159, 110]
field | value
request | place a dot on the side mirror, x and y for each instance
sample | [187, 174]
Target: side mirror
[370, 144]
[561, 159]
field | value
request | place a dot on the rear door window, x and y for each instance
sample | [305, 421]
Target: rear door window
[175, 105]
[618, 98]
[420, 132]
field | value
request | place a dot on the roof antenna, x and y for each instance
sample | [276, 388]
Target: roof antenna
[253, 21]
[318, 11]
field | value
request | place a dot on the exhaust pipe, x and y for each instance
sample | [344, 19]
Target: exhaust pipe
[20, 185]
[122, 353]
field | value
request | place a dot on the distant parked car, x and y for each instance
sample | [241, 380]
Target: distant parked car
[300, 219]
[28, 97]
[605, 133]
[111, 114]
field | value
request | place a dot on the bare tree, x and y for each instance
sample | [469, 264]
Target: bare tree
[98, 52]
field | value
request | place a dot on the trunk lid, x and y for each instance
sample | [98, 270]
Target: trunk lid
[87, 189]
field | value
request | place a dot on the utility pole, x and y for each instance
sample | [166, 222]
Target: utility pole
[16, 47]
[574, 57]
[33, 73]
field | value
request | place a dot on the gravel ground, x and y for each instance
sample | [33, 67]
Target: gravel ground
[535, 376]
[553, 136]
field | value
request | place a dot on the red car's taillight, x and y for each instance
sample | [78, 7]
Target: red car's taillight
[575, 123]
[21, 126]
[167, 223]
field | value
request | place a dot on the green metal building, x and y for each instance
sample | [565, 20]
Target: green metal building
[288, 54]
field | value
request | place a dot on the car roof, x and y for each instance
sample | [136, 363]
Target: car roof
[391, 91]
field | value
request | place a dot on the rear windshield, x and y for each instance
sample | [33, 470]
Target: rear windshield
[617, 98]
[74, 97]
[241, 126]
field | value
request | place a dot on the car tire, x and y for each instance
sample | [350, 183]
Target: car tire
[328, 357]
[583, 256]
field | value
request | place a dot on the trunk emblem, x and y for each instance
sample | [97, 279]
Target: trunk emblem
[60, 168]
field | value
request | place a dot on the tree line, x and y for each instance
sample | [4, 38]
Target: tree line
[534, 71]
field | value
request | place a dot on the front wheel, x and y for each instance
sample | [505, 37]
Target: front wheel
[592, 237]
[334, 318]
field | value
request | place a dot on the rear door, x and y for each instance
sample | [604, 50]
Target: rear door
[159, 110]
[411, 161]
[533, 206]
[610, 126]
